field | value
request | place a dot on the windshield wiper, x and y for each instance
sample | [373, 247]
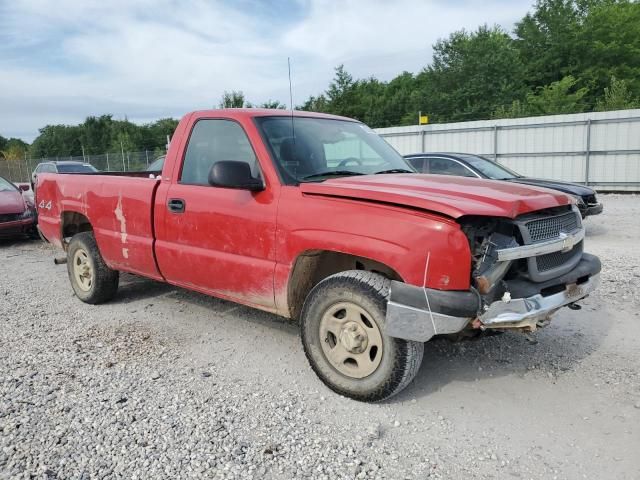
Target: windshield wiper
[394, 170]
[330, 173]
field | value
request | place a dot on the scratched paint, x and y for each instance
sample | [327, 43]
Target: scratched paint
[123, 226]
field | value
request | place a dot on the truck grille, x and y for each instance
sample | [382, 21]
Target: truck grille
[550, 228]
[542, 227]
[557, 259]
[9, 217]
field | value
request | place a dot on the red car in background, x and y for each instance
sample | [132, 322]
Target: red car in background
[17, 213]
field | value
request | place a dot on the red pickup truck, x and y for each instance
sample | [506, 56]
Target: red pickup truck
[315, 218]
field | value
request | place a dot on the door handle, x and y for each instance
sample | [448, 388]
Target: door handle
[176, 205]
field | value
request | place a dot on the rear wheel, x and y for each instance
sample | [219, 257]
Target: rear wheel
[342, 329]
[92, 281]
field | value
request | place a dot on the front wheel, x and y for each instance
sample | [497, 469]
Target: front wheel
[92, 281]
[342, 329]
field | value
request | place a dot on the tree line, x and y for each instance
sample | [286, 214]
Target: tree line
[565, 56]
[96, 135]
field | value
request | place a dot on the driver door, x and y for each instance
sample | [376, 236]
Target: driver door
[220, 241]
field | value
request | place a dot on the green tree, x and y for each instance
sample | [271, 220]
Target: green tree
[273, 104]
[13, 148]
[617, 96]
[341, 98]
[57, 141]
[385, 104]
[232, 99]
[558, 97]
[546, 40]
[154, 135]
[315, 104]
[401, 101]
[103, 134]
[96, 134]
[471, 73]
[590, 40]
[608, 45]
[340, 91]
[516, 109]
[126, 136]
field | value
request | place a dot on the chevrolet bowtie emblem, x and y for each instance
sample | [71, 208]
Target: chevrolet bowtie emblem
[567, 241]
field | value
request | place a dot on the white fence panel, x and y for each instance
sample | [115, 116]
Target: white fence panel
[600, 148]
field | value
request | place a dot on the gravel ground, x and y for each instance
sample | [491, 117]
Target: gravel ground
[165, 383]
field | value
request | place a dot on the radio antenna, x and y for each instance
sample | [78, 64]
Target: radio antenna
[293, 130]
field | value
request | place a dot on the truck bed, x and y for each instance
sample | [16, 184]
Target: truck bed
[119, 206]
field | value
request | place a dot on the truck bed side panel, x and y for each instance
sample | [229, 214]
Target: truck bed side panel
[118, 208]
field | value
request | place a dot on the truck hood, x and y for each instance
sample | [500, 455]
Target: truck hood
[448, 195]
[11, 202]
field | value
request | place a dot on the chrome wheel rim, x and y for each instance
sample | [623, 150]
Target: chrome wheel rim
[351, 340]
[82, 270]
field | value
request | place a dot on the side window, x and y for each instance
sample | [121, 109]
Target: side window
[444, 166]
[420, 164]
[212, 141]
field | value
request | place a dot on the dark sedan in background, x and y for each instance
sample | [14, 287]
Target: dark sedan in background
[17, 213]
[468, 165]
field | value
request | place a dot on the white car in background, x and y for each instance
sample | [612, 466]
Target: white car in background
[63, 166]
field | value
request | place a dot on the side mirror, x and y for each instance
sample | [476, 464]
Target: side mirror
[232, 174]
[23, 187]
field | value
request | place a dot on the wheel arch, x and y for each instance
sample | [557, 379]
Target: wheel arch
[71, 223]
[312, 266]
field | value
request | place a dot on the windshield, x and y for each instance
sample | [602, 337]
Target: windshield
[75, 168]
[6, 185]
[489, 168]
[313, 149]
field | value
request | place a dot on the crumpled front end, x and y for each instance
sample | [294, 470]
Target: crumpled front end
[524, 270]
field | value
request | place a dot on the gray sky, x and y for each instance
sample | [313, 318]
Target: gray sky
[63, 60]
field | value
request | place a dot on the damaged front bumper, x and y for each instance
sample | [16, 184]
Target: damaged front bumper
[416, 313]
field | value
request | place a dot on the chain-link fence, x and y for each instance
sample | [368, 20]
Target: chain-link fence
[20, 170]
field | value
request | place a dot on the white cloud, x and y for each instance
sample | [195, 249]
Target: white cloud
[147, 59]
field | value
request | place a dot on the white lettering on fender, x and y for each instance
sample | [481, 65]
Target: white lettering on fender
[45, 205]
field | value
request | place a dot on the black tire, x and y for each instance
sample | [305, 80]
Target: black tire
[103, 281]
[369, 291]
